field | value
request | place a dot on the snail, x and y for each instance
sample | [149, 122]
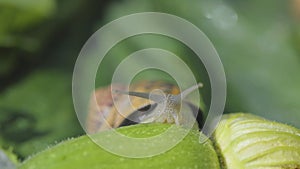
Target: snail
[143, 106]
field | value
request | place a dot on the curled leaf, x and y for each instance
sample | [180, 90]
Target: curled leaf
[246, 141]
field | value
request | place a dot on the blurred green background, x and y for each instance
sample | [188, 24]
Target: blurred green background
[258, 43]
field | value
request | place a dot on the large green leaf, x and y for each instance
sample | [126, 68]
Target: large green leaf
[259, 53]
[82, 152]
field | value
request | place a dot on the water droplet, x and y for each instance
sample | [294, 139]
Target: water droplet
[222, 16]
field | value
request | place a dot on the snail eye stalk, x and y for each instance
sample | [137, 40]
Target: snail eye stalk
[188, 91]
[161, 98]
[154, 97]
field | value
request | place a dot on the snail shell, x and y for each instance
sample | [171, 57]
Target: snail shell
[104, 115]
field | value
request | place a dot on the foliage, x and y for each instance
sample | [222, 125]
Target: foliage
[37, 112]
[258, 43]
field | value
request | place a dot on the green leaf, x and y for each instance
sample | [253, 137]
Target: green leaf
[246, 141]
[255, 44]
[82, 152]
[37, 112]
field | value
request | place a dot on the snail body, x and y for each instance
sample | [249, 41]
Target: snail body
[142, 107]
